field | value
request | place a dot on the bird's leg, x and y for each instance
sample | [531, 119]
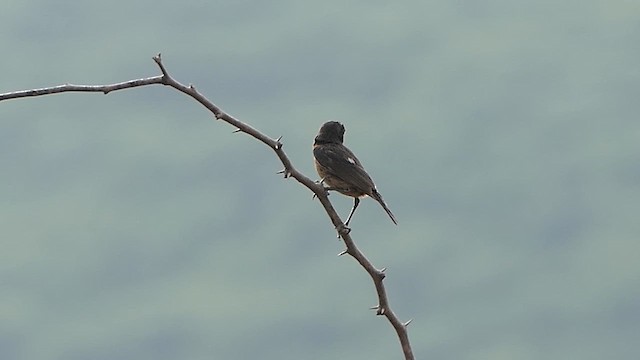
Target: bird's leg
[356, 201]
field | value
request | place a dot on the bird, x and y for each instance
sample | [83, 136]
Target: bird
[340, 170]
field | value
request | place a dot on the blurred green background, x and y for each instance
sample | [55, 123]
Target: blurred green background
[504, 135]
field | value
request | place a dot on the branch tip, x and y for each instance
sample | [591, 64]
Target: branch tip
[158, 60]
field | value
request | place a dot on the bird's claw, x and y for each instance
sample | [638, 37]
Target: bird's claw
[343, 230]
[326, 189]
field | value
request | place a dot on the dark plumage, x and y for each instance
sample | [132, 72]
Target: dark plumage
[341, 170]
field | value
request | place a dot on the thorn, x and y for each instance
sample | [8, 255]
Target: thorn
[286, 173]
[374, 307]
[383, 269]
[381, 273]
[381, 311]
[236, 131]
[343, 252]
[278, 143]
[407, 323]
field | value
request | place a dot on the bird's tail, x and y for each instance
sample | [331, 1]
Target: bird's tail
[377, 197]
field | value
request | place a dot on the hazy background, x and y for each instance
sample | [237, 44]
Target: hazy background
[503, 134]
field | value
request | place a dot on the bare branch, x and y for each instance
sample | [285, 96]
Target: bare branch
[105, 89]
[276, 145]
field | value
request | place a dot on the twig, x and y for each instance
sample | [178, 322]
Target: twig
[276, 145]
[105, 89]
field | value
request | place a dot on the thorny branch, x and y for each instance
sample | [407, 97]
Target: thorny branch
[320, 192]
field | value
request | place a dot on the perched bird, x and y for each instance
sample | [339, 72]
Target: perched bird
[341, 170]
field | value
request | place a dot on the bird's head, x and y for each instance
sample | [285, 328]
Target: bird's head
[330, 132]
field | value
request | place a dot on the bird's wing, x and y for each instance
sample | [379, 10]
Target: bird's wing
[340, 162]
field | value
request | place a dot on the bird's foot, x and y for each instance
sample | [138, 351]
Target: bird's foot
[326, 193]
[343, 230]
[326, 189]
